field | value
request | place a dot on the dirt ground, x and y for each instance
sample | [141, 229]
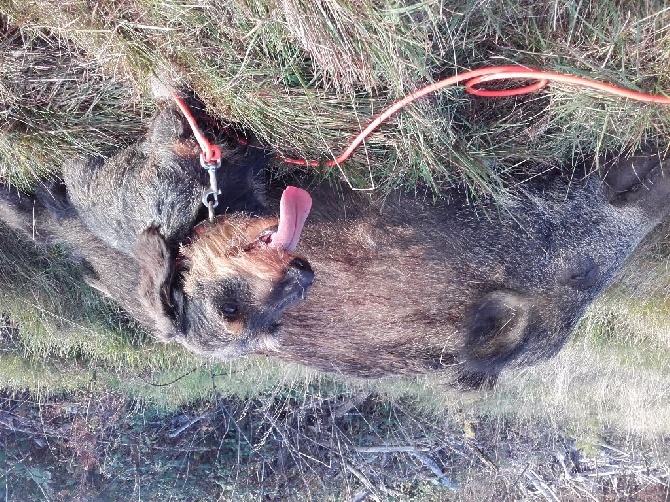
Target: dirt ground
[82, 447]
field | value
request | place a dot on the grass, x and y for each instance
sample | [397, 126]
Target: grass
[304, 77]
[57, 104]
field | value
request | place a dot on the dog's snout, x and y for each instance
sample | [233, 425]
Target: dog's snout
[301, 271]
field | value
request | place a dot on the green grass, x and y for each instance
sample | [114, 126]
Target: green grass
[305, 77]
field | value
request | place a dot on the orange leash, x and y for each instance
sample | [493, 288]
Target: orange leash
[210, 159]
[479, 76]
[211, 153]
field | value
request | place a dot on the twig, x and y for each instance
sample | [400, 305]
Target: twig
[180, 449]
[416, 452]
[518, 478]
[343, 408]
[389, 449]
[189, 424]
[480, 455]
[580, 490]
[360, 496]
[16, 423]
[612, 471]
[428, 462]
[613, 449]
[541, 486]
[168, 383]
[365, 481]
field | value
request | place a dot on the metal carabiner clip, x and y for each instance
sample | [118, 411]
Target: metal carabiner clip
[210, 197]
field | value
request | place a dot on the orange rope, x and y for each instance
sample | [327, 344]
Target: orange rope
[210, 153]
[479, 76]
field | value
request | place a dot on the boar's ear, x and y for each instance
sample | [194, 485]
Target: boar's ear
[495, 327]
[162, 302]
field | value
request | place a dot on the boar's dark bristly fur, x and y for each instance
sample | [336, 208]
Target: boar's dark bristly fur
[408, 287]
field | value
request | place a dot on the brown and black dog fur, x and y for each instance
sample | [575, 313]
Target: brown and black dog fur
[130, 220]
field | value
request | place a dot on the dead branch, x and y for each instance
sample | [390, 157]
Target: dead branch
[389, 449]
[17, 423]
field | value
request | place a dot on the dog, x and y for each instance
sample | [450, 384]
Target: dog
[138, 227]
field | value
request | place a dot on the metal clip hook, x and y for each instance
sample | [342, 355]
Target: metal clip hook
[210, 197]
[210, 200]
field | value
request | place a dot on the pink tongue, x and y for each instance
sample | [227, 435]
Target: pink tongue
[293, 210]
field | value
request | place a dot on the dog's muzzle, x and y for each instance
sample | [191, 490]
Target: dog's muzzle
[301, 272]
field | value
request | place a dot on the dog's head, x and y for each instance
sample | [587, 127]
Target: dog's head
[224, 294]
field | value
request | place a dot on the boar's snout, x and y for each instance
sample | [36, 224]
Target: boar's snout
[639, 180]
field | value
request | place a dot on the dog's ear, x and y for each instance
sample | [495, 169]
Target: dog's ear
[157, 267]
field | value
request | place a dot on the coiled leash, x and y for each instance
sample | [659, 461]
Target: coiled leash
[210, 159]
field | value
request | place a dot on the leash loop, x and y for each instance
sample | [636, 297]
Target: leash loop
[210, 158]
[470, 79]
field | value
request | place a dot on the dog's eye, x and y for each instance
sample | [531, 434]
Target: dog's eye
[230, 311]
[233, 318]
